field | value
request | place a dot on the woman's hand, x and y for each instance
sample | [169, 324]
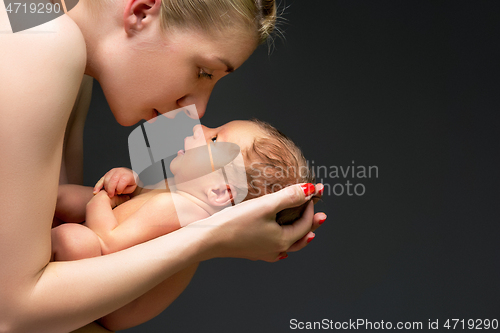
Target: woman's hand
[117, 181]
[318, 220]
[249, 230]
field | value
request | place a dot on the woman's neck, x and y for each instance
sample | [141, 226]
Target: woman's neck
[97, 26]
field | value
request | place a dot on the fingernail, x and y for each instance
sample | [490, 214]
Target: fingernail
[322, 221]
[320, 192]
[283, 257]
[310, 239]
[308, 189]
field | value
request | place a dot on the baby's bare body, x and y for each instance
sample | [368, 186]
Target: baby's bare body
[106, 230]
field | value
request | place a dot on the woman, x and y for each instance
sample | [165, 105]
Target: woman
[149, 57]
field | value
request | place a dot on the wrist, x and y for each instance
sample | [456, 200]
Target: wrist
[209, 242]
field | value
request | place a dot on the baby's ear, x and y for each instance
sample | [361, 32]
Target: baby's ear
[219, 195]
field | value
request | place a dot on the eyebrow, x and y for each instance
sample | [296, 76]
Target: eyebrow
[230, 68]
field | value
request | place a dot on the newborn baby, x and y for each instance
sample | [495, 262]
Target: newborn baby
[271, 162]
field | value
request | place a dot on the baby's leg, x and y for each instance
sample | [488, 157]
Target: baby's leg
[73, 241]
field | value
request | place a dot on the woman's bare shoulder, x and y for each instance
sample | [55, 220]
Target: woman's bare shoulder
[57, 39]
[42, 70]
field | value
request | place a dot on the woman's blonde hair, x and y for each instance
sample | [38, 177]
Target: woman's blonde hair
[215, 15]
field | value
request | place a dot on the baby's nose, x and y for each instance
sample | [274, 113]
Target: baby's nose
[197, 131]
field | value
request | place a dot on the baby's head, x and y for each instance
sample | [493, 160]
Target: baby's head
[271, 162]
[275, 162]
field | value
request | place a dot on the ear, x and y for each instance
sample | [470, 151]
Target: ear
[220, 195]
[139, 13]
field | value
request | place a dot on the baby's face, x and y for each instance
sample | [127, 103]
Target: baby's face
[191, 163]
[211, 166]
[240, 132]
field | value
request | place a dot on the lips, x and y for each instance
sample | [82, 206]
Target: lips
[154, 114]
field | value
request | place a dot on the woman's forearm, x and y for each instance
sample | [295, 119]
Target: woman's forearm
[68, 295]
[71, 202]
[151, 303]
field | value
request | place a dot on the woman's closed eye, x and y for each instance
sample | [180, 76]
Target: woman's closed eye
[203, 74]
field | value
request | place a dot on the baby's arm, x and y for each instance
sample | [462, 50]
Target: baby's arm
[72, 201]
[156, 217]
[101, 220]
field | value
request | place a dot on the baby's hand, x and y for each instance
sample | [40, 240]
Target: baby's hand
[117, 181]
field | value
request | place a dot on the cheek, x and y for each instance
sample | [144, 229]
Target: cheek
[167, 85]
[134, 88]
[124, 106]
[174, 169]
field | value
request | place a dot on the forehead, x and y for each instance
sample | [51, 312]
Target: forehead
[233, 44]
[241, 132]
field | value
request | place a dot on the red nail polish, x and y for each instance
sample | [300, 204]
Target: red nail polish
[320, 192]
[310, 239]
[322, 221]
[283, 257]
[308, 189]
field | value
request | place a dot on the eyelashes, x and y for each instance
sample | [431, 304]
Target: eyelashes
[203, 74]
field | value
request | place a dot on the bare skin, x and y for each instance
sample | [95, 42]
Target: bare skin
[42, 75]
[120, 228]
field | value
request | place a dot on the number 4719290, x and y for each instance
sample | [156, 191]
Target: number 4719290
[38, 8]
[472, 324]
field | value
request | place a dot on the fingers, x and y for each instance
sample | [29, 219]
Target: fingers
[318, 220]
[124, 185]
[101, 195]
[98, 186]
[302, 226]
[111, 180]
[301, 243]
[319, 193]
[293, 196]
[117, 181]
[298, 245]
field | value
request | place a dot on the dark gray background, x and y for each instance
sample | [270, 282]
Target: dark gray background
[409, 86]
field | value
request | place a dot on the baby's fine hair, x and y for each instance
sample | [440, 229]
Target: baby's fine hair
[274, 162]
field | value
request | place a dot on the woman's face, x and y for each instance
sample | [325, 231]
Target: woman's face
[157, 72]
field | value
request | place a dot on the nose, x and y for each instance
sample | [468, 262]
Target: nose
[197, 131]
[199, 98]
[202, 131]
